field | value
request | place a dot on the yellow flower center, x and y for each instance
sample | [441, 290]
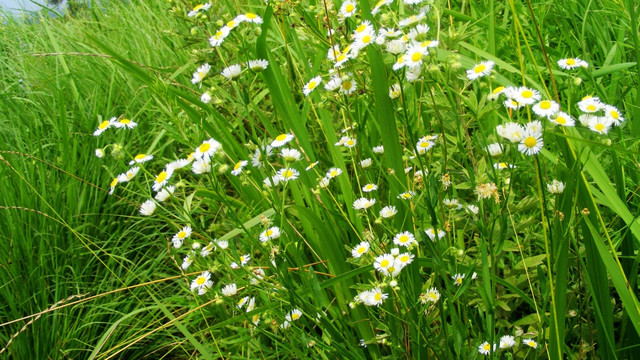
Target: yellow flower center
[312, 85]
[591, 107]
[527, 94]
[268, 233]
[219, 34]
[349, 8]
[416, 56]
[403, 238]
[400, 59]
[498, 89]
[487, 347]
[424, 144]
[238, 165]
[333, 173]
[459, 280]
[125, 121]
[346, 85]
[161, 177]
[369, 187]
[204, 147]
[198, 7]
[599, 127]
[404, 258]
[571, 62]
[361, 250]
[182, 235]
[480, 68]
[545, 105]
[530, 142]
[391, 269]
[201, 280]
[361, 28]
[250, 16]
[377, 296]
[432, 296]
[366, 39]
[140, 156]
[561, 120]
[614, 114]
[384, 263]
[103, 125]
[287, 174]
[114, 182]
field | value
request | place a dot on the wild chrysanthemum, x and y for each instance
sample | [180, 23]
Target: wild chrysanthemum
[494, 149]
[293, 315]
[242, 302]
[404, 238]
[530, 343]
[572, 63]
[130, 174]
[370, 188]
[600, 124]
[201, 166]
[590, 104]
[363, 203]
[218, 38]
[198, 8]
[270, 234]
[165, 193]
[382, 262]
[479, 70]
[333, 172]
[507, 341]
[207, 149]
[413, 73]
[526, 96]
[187, 261]
[425, 144]
[290, 155]
[431, 233]
[379, 5]
[374, 297]
[104, 126]
[287, 174]
[555, 187]
[125, 123]
[348, 85]
[360, 249]
[202, 283]
[205, 97]
[414, 54]
[260, 155]
[487, 191]
[432, 295]
[378, 149]
[311, 85]
[207, 250]
[458, 278]
[485, 348]
[231, 72]
[179, 164]
[161, 180]
[200, 73]
[250, 18]
[257, 65]
[141, 158]
[113, 184]
[388, 211]
[546, 108]
[404, 259]
[562, 119]
[312, 165]
[348, 9]
[503, 165]
[230, 290]
[365, 163]
[406, 195]
[412, 19]
[511, 131]
[281, 140]
[531, 143]
[237, 168]
[180, 236]
[613, 114]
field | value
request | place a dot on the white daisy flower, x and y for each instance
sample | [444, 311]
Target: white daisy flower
[200, 73]
[572, 63]
[494, 149]
[198, 8]
[526, 96]
[531, 143]
[257, 65]
[287, 174]
[600, 124]
[480, 70]
[270, 234]
[202, 283]
[161, 180]
[363, 203]
[431, 233]
[378, 149]
[613, 114]
[562, 119]
[180, 236]
[201, 166]
[230, 290]
[365, 163]
[370, 188]
[165, 193]
[360, 249]
[404, 239]
[231, 72]
[590, 105]
[388, 211]
[546, 108]
[290, 154]
[311, 85]
[148, 207]
[207, 149]
[218, 38]
[106, 124]
[348, 9]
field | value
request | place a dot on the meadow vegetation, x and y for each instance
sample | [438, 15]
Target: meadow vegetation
[321, 179]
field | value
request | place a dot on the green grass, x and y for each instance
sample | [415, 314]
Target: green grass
[559, 269]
